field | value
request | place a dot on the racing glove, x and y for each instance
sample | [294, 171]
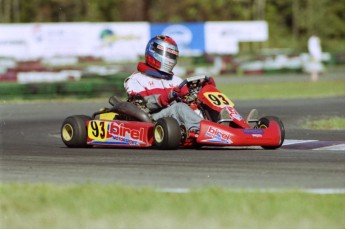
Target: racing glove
[165, 99]
[174, 93]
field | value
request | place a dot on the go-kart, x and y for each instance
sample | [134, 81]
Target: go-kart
[129, 124]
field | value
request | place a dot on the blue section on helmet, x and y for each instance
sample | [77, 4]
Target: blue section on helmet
[158, 74]
[157, 57]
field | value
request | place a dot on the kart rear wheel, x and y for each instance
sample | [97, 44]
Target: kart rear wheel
[74, 131]
[265, 122]
[167, 133]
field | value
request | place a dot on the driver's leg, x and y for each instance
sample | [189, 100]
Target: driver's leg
[182, 113]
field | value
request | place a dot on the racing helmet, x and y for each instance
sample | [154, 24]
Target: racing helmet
[161, 53]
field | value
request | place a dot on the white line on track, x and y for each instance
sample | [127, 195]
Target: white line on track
[325, 191]
[333, 145]
[295, 141]
[319, 191]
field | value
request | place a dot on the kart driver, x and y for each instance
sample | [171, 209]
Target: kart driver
[158, 86]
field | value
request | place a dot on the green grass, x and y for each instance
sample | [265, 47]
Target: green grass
[110, 206]
[91, 88]
[283, 90]
[332, 123]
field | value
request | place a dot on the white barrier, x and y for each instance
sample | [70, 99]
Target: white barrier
[121, 41]
[48, 77]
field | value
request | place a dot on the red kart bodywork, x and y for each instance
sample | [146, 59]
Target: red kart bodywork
[217, 134]
[140, 134]
[224, 135]
[120, 133]
[214, 99]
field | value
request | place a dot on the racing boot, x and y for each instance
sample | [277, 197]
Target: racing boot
[193, 131]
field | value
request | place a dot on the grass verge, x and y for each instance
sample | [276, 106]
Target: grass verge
[110, 206]
[332, 123]
[92, 88]
[283, 90]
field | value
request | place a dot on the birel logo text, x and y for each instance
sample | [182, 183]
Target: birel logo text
[125, 134]
[219, 135]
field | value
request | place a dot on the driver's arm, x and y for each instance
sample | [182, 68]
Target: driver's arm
[153, 102]
[158, 101]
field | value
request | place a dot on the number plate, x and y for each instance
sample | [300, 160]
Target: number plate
[97, 130]
[218, 99]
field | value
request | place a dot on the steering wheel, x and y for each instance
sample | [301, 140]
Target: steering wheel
[194, 85]
[194, 81]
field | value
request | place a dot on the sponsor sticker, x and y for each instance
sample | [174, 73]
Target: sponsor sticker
[114, 133]
[126, 135]
[253, 131]
[218, 135]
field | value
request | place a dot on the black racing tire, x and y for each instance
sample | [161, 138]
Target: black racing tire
[74, 131]
[167, 133]
[264, 123]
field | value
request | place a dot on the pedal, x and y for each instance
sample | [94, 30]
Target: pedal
[193, 132]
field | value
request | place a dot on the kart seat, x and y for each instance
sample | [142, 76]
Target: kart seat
[131, 110]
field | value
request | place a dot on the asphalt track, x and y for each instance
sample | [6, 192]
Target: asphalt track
[32, 151]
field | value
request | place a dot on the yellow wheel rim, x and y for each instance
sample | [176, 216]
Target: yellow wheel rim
[67, 132]
[159, 134]
[263, 126]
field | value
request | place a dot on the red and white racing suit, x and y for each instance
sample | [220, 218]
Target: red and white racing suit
[157, 92]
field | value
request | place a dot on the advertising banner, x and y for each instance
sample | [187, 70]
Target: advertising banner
[189, 37]
[242, 31]
[117, 41]
[124, 41]
[223, 37]
[215, 43]
[58, 39]
[13, 41]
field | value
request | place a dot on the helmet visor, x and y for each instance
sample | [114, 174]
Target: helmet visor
[164, 51]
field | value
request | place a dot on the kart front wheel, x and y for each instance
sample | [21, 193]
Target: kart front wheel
[74, 131]
[265, 122]
[167, 133]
